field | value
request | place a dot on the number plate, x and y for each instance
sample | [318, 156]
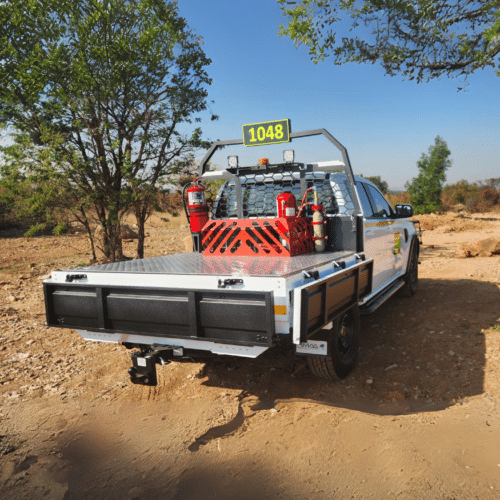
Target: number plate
[259, 134]
[312, 348]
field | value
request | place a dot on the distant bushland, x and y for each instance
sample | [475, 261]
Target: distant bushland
[475, 197]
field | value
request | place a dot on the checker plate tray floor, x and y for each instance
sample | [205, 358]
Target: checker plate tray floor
[199, 264]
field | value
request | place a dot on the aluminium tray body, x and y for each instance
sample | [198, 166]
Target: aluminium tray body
[184, 296]
[199, 264]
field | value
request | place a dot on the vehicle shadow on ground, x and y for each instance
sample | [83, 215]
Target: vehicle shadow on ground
[419, 354]
[99, 461]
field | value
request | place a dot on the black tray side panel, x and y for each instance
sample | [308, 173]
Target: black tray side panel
[225, 316]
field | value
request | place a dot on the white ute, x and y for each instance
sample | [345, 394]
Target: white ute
[242, 290]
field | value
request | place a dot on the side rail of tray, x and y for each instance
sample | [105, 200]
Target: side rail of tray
[228, 316]
[318, 303]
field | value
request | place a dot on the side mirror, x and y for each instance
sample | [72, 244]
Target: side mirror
[404, 211]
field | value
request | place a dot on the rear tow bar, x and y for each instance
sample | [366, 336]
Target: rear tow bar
[144, 364]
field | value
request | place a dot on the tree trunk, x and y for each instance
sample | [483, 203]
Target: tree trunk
[119, 246]
[142, 211]
[142, 237]
[91, 238]
[115, 243]
[81, 216]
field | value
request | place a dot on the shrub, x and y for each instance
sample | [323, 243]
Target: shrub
[398, 198]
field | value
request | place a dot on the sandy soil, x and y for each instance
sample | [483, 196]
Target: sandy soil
[418, 417]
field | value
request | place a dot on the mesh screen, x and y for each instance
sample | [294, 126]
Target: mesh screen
[259, 192]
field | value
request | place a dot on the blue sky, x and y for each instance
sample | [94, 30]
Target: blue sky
[385, 123]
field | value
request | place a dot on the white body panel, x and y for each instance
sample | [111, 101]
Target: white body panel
[228, 349]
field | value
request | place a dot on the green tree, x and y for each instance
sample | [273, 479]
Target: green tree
[416, 38]
[425, 189]
[97, 95]
[382, 185]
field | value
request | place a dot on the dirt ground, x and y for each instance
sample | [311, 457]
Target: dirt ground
[418, 417]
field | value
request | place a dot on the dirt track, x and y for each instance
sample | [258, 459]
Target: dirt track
[72, 426]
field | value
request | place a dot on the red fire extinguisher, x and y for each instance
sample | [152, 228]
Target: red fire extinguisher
[197, 211]
[287, 206]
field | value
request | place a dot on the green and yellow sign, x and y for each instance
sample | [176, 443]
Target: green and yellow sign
[259, 134]
[397, 242]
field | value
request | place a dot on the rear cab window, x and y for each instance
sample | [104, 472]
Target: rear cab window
[381, 207]
[365, 202]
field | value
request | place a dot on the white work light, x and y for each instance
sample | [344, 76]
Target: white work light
[232, 161]
[288, 155]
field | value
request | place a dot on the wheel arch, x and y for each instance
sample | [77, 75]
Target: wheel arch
[414, 246]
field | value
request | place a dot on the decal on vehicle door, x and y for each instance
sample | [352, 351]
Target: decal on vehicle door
[397, 242]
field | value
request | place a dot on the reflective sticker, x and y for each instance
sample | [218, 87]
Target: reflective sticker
[141, 362]
[279, 309]
[314, 347]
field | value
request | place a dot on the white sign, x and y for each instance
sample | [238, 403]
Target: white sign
[314, 347]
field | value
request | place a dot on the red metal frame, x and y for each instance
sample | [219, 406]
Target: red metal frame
[276, 237]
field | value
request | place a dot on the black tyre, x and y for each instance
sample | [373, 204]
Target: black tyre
[410, 287]
[343, 343]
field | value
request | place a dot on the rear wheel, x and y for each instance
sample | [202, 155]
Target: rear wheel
[343, 343]
[410, 287]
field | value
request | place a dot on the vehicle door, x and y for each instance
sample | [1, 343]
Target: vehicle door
[382, 236]
[387, 228]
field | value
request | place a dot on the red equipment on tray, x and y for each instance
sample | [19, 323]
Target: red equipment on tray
[277, 237]
[282, 236]
[197, 206]
[287, 206]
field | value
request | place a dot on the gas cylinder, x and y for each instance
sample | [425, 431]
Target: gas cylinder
[318, 223]
[287, 206]
[197, 207]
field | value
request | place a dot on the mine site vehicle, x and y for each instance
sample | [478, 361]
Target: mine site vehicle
[263, 270]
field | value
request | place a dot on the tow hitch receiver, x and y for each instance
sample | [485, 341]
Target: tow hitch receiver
[144, 363]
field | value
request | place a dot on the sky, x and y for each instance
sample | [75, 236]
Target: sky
[386, 123]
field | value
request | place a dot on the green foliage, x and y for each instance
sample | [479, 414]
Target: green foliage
[61, 228]
[425, 189]
[27, 202]
[382, 185]
[460, 193]
[93, 94]
[395, 198]
[36, 229]
[418, 38]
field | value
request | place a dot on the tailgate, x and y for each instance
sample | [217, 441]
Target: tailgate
[316, 304]
[228, 316]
